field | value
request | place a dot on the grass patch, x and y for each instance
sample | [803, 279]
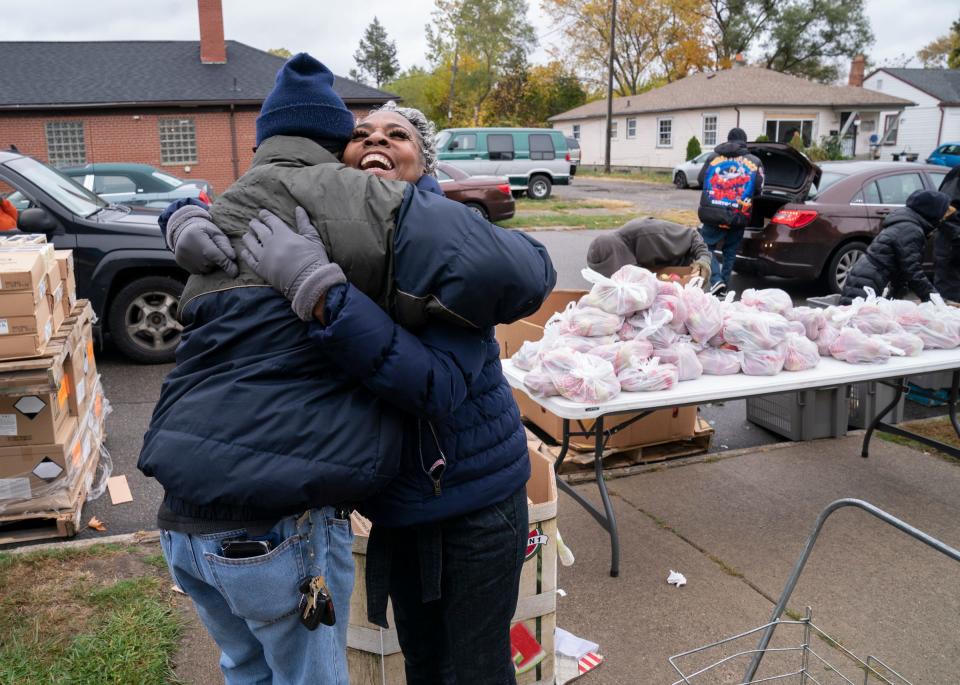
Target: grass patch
[659, 177]
[102, 614]
[584, 221]
[940, 429]
[554, 205]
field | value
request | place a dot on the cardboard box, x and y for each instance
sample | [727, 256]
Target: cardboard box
[684, 274]
[24, 323]
[65, 263]
[665, 425]
[22, 270]
[29, 471]
[35, 403]
[8, 242]
[28, 344]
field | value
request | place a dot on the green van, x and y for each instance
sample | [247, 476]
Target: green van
[534, 159]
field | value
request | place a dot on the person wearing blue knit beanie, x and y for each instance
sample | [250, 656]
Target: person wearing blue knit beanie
[303, 103]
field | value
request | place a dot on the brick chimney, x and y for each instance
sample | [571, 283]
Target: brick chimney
[857, 67]
[213, 49]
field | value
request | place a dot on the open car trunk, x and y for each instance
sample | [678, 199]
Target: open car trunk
[788, 175]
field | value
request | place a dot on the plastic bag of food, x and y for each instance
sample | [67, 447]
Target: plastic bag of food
[873, 320]
[683, 355]
[813, 319]
[704, 315]
[675, 306]
[649, 376]
[756, 329]
[759, 362]
[623, 354]
[528, 356]
[578, 343]
[936, 326]
[855, 347]
[585, 321]
[581, 377]
[653, 326]
[771, 300]
[538, 382]
[801, 353]
[631, 289]
[827, 335]
[719, 361]
[910, 344]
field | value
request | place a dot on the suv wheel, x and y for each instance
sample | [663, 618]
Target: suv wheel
[478, 208]
[539, 188]
[680, 180]
[143, 319]
[841, 264]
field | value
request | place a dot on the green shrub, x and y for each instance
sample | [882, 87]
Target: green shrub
[693, 148]
[762, 139]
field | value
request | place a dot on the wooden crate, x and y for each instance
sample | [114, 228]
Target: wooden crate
[373, 654]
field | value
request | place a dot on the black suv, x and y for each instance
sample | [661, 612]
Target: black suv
[123, 266]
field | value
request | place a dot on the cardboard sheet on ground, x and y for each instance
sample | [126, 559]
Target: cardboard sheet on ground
[119, 490]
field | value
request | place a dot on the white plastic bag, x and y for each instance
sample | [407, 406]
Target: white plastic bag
[771, 300]
[756, 329]
[934, 325]
[801, 353]
[585, 321]
[631, 289]
[760, 362]
[856, 347]
[653, 326]
[704, 315]
[827, 335]
[813, 319]
[528, 356]
[683, 355]
[539, 383]
[623, 354]
[649, 376]
[910, 344]
[671, 300]
[581, 377]
[719, 361]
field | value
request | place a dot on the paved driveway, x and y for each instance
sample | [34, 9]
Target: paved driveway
[651, 196]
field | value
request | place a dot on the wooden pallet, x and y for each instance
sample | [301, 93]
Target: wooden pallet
[63, 523]
[581, 461]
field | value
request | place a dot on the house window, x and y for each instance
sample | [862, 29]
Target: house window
[631, 128]
[576, 131]
[782, 130]
[879, 84]
[178, 141]
[65, 143]
[891, 123]
[665, 132]
[710, 129]
[613, 129]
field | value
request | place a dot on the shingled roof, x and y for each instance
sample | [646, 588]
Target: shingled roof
[740, 86]
[114, 73]
[943, 84]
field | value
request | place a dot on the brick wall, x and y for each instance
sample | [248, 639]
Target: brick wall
[133, 136]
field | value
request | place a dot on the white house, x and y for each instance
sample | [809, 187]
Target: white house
[652, 129]
[935, 119]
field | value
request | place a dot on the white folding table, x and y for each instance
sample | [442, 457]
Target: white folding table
[830, 372]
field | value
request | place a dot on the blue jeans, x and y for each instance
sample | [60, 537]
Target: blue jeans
[249, 606]
[731, 237]
[462, 636]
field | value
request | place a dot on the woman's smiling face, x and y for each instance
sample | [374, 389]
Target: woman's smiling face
[387, 145]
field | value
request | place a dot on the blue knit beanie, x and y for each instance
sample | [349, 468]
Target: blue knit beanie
[303, 103]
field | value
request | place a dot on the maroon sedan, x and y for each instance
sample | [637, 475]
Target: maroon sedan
[488, 196]
[815, 222]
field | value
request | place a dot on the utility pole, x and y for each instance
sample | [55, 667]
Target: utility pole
[613, 33]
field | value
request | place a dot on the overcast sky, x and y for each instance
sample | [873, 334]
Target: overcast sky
[330, 30]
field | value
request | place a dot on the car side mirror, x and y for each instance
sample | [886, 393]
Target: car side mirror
[37, 220]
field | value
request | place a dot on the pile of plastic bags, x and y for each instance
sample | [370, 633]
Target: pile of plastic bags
[635, 333]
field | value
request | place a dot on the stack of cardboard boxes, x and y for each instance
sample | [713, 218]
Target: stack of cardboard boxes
[52, 407]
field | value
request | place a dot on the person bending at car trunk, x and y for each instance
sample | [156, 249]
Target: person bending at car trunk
[731, 179]
[895, 257]
[650, 243]
[259, 437]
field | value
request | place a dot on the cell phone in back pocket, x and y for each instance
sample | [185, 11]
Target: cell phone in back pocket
[244, 549]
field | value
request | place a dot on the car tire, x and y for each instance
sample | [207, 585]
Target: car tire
[143, 321]
[540, 187]
[479, 209]
[839, 266]
[680, 181]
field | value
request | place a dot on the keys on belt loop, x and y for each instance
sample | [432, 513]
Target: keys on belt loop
[316, 604]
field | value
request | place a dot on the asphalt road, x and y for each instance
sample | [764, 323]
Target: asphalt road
[133, 390]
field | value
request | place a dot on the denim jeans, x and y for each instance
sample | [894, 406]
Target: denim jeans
[249, 606]
[731, 237]
[463, 637]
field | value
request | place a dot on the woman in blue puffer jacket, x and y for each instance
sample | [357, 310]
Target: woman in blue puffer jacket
[450, 531]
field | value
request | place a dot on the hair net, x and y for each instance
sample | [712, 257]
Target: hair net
[425, 129]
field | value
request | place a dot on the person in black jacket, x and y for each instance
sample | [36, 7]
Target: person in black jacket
[895, 257]
[730, 178]
[946, 244]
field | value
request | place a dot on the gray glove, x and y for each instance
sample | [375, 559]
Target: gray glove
[197, 244]
[703, 268]
[293, 261]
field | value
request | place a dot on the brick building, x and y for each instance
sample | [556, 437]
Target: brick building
[186, 107]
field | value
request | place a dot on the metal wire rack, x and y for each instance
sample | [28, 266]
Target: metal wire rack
[800, 652]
